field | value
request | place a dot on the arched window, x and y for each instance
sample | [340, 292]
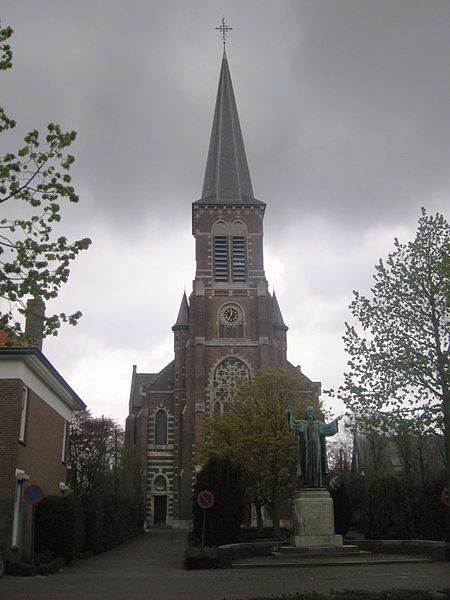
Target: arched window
[230, 251]
[161, 428]
[160, 484]
[228, 376]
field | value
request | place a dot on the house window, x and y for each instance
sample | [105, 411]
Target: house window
[161, 428]
[23, 414]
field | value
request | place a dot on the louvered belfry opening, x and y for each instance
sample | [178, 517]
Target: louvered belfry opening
[239, 258]
[224, 247]
[221, 258]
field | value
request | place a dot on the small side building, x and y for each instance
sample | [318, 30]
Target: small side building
[36, 405]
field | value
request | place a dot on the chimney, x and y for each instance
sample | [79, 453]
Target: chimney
[34, 323]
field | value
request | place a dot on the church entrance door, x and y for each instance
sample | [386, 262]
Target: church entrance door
[160, 510]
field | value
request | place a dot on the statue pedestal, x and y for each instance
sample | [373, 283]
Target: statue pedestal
[314, 520]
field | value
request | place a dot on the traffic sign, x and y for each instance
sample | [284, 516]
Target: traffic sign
[205, 499]
[33, 494]
[445, 497]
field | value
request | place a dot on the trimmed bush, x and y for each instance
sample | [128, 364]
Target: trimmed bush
[59, 527]
[225, 479]
[389, 513]
[355, 595]
[57, 564]
[93, 520]
[342, 508]
[68, 527]
[429, 511]
[18, 568]
[201, 558]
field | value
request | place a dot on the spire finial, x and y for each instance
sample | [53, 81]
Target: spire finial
[224, 29]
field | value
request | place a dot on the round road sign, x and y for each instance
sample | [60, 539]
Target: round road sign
[205, 499]
[33, 494]
[445, 497]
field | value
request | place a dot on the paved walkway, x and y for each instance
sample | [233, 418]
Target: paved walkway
[151, 568]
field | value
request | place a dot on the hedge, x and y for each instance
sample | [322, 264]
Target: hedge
[67, 527]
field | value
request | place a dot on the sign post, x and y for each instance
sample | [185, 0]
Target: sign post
[32, 495]
[205, 500]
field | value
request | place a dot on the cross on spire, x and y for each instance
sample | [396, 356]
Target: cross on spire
[224, 29]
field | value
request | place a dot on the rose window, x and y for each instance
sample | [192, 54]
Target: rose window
[228, 377]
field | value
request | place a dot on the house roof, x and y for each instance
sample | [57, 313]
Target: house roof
[35, 360]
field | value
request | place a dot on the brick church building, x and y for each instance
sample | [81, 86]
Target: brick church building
[229, 327]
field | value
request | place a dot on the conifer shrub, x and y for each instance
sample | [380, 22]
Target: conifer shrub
[342, 507]
[225, 479]
[389, 513]
[429, 512]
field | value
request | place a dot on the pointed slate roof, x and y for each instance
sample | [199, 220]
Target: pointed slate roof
[227, 177]
[183, 314]
[277, 317]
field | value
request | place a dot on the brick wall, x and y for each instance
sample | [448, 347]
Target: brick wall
[40, 455]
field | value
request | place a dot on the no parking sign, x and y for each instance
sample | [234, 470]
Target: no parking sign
[205, 500]
[33, 494]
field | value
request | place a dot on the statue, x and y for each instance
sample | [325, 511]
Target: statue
[312, 456]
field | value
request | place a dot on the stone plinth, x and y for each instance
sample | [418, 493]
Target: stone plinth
[314, 520]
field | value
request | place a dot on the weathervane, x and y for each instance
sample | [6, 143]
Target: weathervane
[224, 29]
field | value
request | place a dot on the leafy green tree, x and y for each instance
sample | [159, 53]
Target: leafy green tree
[34, 262]
[399, 348]
[254, 432]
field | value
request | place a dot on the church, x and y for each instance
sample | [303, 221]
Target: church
[229, 326]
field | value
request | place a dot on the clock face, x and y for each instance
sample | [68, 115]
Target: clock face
[230, 314]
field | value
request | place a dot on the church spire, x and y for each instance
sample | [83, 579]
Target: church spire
[183, 314]
[277, 317]
[227, 177]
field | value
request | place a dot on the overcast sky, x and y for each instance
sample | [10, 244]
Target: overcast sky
[345, 112]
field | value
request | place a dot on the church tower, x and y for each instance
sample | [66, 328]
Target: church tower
[230, 326]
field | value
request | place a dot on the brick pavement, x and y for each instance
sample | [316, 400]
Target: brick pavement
[151, 568]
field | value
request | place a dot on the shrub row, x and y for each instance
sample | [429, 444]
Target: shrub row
[13, 566]
[355, 595]
[201, 558]
[386, 507]
[67, 527]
